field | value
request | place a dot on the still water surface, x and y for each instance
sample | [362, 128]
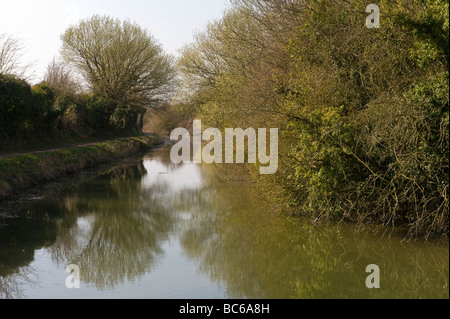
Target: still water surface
[147, 228]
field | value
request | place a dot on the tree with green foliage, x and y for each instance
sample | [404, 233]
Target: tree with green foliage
[119, 60]
[363, 113]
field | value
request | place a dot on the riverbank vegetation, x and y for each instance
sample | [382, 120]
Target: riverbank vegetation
[112, 72]
[23, 171]
[363, 112]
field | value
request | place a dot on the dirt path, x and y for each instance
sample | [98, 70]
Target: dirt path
[62, 147]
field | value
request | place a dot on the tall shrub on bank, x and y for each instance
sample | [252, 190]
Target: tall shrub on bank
[363, 112]
[15, 106]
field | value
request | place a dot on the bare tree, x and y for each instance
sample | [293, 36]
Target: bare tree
[61, 78]
[11, 54]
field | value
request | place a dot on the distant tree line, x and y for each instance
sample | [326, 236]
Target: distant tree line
[364, 113]
[112, 71]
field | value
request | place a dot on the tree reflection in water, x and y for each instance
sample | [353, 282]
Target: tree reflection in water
[115, 227]
[112, 227]
[257, 254]
[128, 215]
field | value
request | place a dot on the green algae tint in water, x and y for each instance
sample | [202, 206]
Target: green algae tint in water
[152, 229]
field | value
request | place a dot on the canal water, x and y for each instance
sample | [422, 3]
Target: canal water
[146, 228]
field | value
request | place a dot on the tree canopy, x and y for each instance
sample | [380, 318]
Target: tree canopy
[363, 113]
[119, 60]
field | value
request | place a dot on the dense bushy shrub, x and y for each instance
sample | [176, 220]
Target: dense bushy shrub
[43, 115]
[128, 117]
[100, 110]
[363, 113]
[43, 111]
[15, 106]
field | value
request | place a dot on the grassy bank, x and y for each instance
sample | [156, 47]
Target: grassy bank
[20, 172]
[61, 139]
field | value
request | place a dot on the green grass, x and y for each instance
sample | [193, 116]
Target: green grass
[22, 171]
[38, 143]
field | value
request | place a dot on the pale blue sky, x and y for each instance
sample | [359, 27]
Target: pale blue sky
[39, 23]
